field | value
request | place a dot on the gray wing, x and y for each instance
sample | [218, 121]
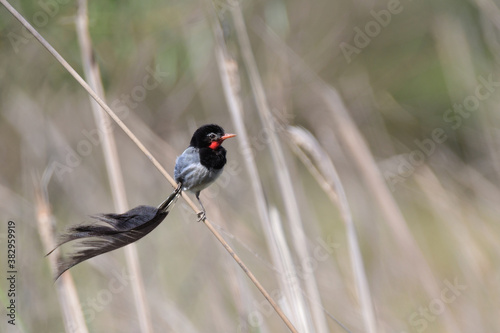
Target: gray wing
[185, 163]
[191, 173]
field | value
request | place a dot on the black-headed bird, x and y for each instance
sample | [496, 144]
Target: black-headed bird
[195, 169]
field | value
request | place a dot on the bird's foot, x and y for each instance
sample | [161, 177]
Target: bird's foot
[201, 216]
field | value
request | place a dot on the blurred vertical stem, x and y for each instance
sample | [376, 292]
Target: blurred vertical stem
[68, 297]
[303, 140]
[103, 123]
[292, 288]
[281, 168]
[230, 83]
[353, 140]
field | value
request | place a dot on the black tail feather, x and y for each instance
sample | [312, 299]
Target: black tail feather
[114, 232]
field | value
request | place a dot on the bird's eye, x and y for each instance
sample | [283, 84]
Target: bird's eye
[212, 136]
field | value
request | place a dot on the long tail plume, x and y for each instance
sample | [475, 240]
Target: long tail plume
[113, 231]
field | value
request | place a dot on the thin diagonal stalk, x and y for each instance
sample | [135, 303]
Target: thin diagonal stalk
[146, 152]
[281, 170]
[89, 90]
[251, 276]
[93, 76]
[270, 265]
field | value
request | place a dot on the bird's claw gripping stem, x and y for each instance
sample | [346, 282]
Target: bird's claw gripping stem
[201, 216]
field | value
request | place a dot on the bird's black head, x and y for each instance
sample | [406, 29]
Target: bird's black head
[209, 136]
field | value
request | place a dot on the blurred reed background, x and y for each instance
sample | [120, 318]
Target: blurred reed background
[374, 135]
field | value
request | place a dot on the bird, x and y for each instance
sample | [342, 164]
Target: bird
[202, 162]
[195, 169]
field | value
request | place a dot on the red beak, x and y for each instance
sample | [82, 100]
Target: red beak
[227, 136]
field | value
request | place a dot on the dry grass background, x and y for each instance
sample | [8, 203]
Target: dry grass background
[350, 131]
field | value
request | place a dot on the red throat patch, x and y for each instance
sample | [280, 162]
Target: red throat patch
[215, 144]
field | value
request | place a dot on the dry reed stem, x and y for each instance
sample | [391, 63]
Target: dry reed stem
[282, 173]
[292, 288]
[68, 297]
[314, 171]
[364, 160]
[366, 163]
[93, 76]
[228, 72]
[145, 151]
[304, 140]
